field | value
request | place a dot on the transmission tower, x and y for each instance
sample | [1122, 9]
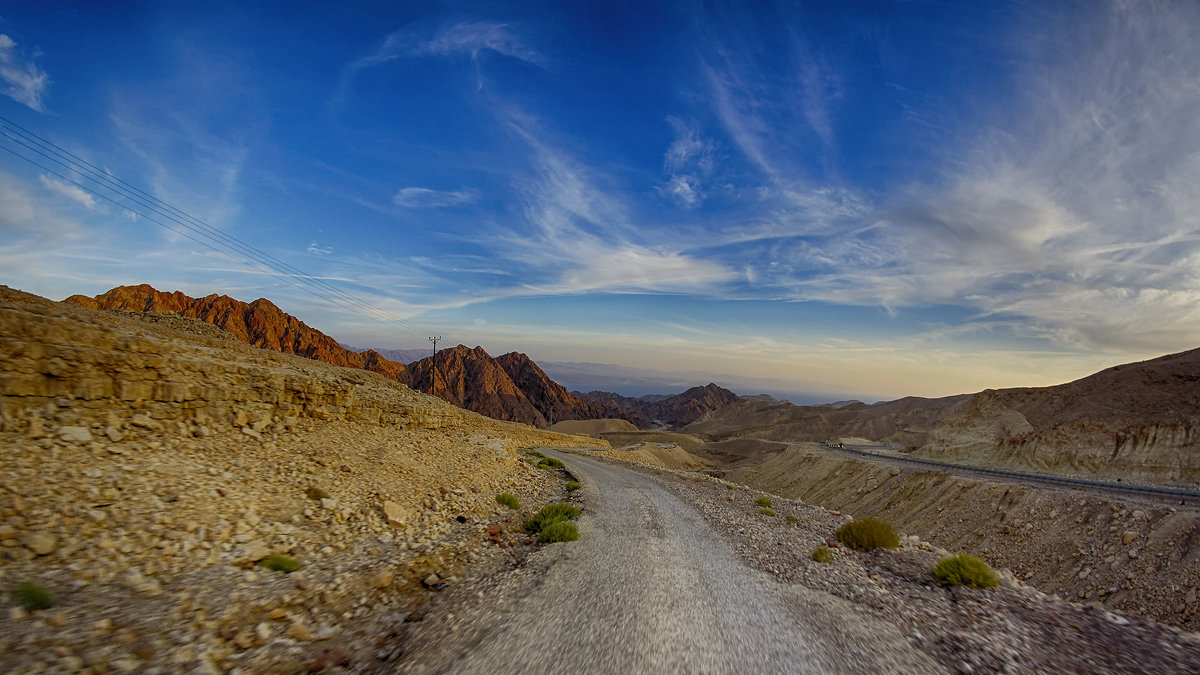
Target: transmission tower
[433, 375]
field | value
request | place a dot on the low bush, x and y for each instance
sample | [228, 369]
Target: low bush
[729, 486]
[33, 596]
[549, 463]
[553, 513]
[962, 569]
[764, 501]
[792, 520]
[867, 534]
[279, 562]
[573, 485]
[508, 499]
[767, 511]
[560, 531]
[822, 554]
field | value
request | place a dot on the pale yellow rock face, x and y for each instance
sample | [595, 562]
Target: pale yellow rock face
[202, 456]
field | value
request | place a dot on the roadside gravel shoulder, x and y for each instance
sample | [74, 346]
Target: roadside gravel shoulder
[1011, 628]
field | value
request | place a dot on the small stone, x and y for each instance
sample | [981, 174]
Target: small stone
[240, 419]
[37, 428]
[263, 631]
[396, 515]
[75, 434]
[328, 504]
[244, 639]
[1129, 537]
[114, 434]
[251, 433]
[254, 551]
[145, 422]
[277, 613]
[298, 631]
[16, 613]
[382, 579]
[314, 492]
[431, 581]
[41, 543]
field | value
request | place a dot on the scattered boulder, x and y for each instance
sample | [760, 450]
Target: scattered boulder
[75, 434]
[396, 515]
[41, 543]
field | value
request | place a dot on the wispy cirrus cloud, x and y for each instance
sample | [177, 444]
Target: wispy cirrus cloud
[1067, 216]
[426, 198]
[466, 38]
[24, 81]
[71, 192]
[688, 160]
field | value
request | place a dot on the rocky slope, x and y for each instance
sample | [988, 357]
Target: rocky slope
[150, 462]
[472, 379]
[469, 378]
[259, 323]
[1131, 554]
[1138, 421]
[907, 421]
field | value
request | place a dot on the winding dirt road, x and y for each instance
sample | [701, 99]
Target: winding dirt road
[651, 588]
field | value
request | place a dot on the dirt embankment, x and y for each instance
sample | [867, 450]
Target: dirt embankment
[1138, 557]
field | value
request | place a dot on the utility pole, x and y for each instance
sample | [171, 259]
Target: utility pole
[433, 373]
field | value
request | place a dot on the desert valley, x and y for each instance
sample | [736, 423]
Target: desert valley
[158, 450]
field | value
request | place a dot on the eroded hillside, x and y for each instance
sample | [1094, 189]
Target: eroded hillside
[150, 466]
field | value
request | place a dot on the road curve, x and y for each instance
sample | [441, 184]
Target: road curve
[648, 588]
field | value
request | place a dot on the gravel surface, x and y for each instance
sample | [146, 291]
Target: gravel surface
[651, 587]
[677, 572]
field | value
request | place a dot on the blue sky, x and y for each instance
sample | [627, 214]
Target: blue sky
[821, 199]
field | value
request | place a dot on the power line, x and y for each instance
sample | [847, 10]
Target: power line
[192, 228]
[105, 180]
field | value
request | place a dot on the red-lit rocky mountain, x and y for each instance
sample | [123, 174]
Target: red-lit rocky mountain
[259, 323]
[510, 388]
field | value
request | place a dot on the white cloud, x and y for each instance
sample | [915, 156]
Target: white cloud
[462, 38]
[69, 191]
[425, 198]
[23, 81]
[318, 250]
[689, 158]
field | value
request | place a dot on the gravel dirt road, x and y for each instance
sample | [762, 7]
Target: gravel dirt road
[650, 587]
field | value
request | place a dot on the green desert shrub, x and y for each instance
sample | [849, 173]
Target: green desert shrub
[281, 563]
[729, 486]
[764, 501]
[962, 569]
[560, 531]
[33, 596]
[792, 520]
[552, 513]
[867, 534]
[549, 463]
[767, 511]
[508, 499]
[573, 485]
[822, 554]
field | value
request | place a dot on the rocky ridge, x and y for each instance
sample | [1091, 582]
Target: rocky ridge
[468, 378]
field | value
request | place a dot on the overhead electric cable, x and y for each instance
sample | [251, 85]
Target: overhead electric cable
[193, 228]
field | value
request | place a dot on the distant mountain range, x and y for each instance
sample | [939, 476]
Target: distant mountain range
[508, 387]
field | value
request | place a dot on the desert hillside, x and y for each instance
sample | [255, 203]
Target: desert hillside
[1138, 421]
[906, 421]
[152, 462]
